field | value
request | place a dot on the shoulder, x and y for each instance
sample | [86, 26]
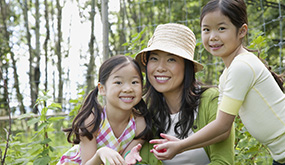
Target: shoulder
[208, 107]
[210, 93]
[245, 63]
[89, 124]
[140, 124]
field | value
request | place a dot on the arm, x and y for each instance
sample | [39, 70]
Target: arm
[135, 146]
[212, 133]
[134, 155]
[221, 152]
[91, 156]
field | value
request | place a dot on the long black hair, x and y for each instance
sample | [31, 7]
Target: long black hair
[160, 111]
[235, 10]
[92, 106]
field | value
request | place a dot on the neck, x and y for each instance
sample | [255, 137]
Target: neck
[228, 59]
[173, 101]
[118, 117]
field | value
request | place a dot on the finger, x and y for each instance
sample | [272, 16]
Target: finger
[168, 137]
[120, 160]
[139, 146]
[160, 147]
[138, 157]
[157, 141]
[158, 155]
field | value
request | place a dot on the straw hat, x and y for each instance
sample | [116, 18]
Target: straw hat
[172, 38]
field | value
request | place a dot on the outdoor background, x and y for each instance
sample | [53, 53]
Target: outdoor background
[51, 50]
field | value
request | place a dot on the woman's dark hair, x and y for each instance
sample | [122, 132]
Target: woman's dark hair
[235, 10]
[190, 100]
[92, 106]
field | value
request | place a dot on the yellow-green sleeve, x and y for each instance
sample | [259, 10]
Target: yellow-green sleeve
[222, 152]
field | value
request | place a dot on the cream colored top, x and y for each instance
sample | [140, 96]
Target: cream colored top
[248, 88]
[190, 157]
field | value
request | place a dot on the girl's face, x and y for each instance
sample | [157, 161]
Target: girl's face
[220, 36]
[165, 72]
[123, 88]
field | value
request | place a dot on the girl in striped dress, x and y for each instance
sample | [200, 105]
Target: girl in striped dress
[106, 134]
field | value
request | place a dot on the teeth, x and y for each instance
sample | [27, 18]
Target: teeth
[127, 98]
[162, 78]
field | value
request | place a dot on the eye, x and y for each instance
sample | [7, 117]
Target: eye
[171, 60]
[118, 82]
[135, 82]
[205, 29]
[222, 28]
[152, 58]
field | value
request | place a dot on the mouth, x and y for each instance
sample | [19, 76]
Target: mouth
[161, 79]
[127, 99]
[216, 46]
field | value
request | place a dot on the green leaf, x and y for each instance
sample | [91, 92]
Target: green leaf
[56, 118]
[75, 101]
[46, 141]
[43, 125]
[42, 160]
[125, 44]
[54, 106]
[27, 115]
[33, 121]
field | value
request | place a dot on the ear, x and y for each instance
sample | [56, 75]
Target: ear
[102, 89]
[243, 31]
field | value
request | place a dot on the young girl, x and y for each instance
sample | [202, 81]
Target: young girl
[105, 134]
[246, 86]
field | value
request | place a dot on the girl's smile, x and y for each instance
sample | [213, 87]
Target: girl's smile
[123, 91]
[127, 99]
[220, 37]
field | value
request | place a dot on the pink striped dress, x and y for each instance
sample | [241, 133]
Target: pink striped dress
[105, 137]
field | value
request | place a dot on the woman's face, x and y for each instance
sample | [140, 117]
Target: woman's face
[165, 72]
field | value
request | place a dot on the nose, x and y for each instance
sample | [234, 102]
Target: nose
[127, 88]
[213, 36]
[161, 67]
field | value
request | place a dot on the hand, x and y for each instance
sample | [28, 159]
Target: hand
[111, 156]
[134, 155]
[165, 148]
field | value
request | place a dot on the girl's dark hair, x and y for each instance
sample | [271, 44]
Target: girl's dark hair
[92, 106]
[190, 100]
[235, 10]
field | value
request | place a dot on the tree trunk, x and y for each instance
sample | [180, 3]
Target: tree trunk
[31, 56]
[121, 30]
[37, 72]
[46, 44]
[4, 13]
[90, 70]
[105, 23]
[58, 51]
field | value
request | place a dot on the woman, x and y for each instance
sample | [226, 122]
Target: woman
[180, 105]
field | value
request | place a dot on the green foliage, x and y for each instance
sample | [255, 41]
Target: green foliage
[259, 42]
[76, 104]
[37, 147]
[247, 149]
[136, 43]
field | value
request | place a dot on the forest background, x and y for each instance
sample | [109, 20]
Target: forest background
[50, 52]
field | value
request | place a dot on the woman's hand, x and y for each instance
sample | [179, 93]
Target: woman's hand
[165, 148]
[134, 155]
[111, 156]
